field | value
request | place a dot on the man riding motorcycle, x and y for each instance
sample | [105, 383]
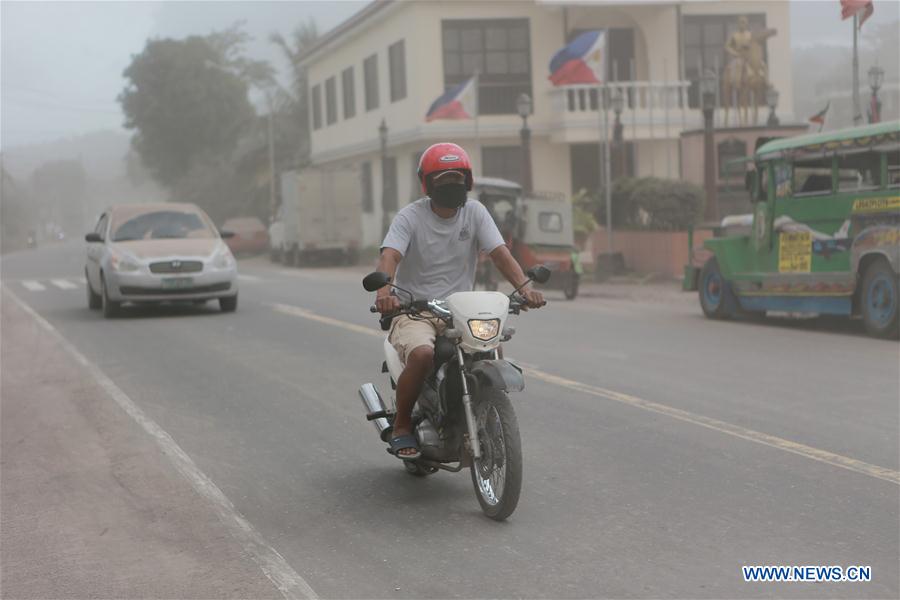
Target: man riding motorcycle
[431, 250]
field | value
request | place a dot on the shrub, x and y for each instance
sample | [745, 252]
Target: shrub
[657, 204]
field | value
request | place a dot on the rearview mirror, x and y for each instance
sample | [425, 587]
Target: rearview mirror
[93, 237]
[226, 234]
[539, 273]
[375, 281]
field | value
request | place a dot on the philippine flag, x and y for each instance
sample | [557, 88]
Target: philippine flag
[458, 102]
[582, 61]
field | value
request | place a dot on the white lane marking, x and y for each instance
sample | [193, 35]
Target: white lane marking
[243, 277]
[63, 284]
[750, 435]
[33, 286]
[291, 585]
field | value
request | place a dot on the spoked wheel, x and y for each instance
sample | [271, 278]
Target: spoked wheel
[880, 300]
[497, 475]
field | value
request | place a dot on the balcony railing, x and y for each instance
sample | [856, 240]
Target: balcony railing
[650, 109]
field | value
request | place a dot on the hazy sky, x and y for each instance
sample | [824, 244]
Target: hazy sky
[62, 62]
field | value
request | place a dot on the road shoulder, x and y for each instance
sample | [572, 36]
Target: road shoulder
[89, 506]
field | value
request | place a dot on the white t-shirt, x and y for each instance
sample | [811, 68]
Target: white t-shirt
[440, 255]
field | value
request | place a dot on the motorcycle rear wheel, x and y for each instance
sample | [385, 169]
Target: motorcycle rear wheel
[497, 475]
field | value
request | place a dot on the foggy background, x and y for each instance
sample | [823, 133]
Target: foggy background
[61, 126]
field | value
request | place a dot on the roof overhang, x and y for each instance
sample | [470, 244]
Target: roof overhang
[368, 16]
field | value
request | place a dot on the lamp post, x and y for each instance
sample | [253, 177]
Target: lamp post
[772, 102]
[876, 78]
[708, 88]
[617, 101]
[385, 213]
[523, 107]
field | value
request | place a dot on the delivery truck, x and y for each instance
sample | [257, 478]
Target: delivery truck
[320, 218]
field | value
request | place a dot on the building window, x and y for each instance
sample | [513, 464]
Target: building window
[397, 63]
[499, 50]
[370, 75]
[389, 185]
[317, 106]
[502, 161]
[703, 41]
[730, 151]
[348, 92]
[365, 176]
[330, 101]
[586, 165]
[416, 189]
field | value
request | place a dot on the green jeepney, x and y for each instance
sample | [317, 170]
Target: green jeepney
[826, 232]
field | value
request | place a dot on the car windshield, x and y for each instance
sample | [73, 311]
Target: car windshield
[164, 224]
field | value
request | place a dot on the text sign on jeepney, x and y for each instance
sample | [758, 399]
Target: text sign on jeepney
[795, 252]
[876, 204]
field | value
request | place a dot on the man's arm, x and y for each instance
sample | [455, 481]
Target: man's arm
[387, 263]
[509, 267]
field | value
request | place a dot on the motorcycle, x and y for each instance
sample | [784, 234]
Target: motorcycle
[463, 416]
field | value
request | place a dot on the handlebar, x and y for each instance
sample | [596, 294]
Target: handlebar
[515, 306]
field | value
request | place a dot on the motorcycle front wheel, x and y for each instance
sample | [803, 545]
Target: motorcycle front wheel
[497, 475]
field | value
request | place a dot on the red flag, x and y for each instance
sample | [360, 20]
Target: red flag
[874, 117]
[854, 7]
[819, 117]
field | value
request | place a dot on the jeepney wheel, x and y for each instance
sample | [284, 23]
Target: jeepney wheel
[880, 300]
[715, 297]
[571, 287]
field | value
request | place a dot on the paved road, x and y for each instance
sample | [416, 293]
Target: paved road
[662, 451]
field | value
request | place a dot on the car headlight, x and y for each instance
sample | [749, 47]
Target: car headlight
[124, 264]
[484, 330]
[223, 260]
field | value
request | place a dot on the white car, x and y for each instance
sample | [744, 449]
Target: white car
[155, 253]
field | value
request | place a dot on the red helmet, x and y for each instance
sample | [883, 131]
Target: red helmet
[444, 157]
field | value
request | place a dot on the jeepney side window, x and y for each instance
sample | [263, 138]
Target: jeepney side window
[812, 177]
[859, 171]
[893, 168]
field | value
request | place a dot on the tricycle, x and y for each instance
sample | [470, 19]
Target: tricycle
[537, 228]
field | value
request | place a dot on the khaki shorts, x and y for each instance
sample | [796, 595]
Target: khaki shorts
[408, 334]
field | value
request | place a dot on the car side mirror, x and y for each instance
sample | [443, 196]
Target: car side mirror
[93, 237]
[375, 281]
[539, 273]
[226, 234]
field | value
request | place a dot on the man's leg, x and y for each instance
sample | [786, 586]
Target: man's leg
[419, 364]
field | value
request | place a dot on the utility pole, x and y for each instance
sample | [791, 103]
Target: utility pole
[272, 207]
[857, 110]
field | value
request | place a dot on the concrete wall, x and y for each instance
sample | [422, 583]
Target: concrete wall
[664, 253]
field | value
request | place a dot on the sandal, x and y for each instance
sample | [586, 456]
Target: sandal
[404, 442]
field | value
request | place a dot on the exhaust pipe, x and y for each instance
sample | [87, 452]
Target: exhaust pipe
[373, 403]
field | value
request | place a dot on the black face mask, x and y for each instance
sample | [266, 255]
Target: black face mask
[450, 195]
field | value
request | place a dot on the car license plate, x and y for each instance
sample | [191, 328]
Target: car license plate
[177, 283]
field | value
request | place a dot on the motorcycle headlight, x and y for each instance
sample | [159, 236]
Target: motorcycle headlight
[484, 330]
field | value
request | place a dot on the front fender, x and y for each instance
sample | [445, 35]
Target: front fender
[499, 374]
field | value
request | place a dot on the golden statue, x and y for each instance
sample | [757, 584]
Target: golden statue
[746, 76]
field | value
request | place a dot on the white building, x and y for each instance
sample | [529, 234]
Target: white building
[391, 60]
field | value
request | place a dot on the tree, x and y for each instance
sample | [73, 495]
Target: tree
[293, 103]
[16, 214]
[187, 100]
[60, 192]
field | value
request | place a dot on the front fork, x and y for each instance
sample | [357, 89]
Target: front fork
[467, 406]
